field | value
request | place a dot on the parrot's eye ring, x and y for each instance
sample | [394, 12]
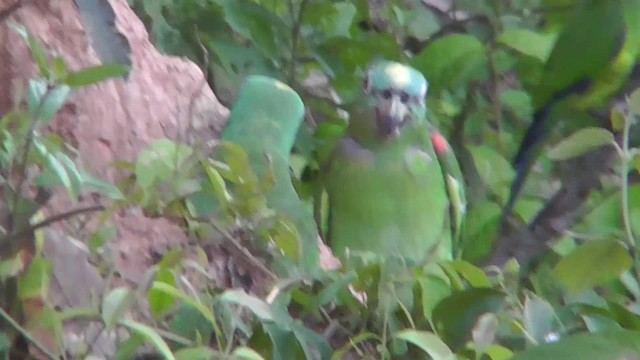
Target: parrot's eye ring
[404, 97]
[386, 94]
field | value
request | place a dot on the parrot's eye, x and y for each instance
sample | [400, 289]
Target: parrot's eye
[404, 97]
[386, 94]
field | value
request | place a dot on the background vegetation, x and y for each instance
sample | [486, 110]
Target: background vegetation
[572, 293]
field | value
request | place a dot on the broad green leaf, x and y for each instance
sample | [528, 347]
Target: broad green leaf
[149, 334]
[484, 333]
[175, 292]
[422, 22]
[618, 344]
[160, 302]
[427, 342]
[189, 323]
[11, 267]
[196, 353]
[498, 352]
[39, 55]
[93, 182]
[75, 178]
[581, 142]
[456, 316]
[576, 270]
[44, 101]
[518, 102]
[634, 102]
[330, 19]
[473, 274]
[313, 344]
[530, 43]
[160, 161]
[258, 306]
[539, 317]
[115, 304]
[95, 74]
[451, 61]
[255, 22]
[246, 353]
[492, 167]
[217, 183]
[34, 284]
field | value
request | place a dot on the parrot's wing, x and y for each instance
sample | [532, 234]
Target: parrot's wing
[454, 185]
[264, 122]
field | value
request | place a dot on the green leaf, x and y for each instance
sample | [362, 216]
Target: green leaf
[473, 274]
[35, 282]
[259, 307]
[246, 353]
[518, 102]
[330, 19]
[115, 304]
[456, 316]
[451, 61]
[95, 74]
[75, 178]
[493, 168]
[530, 43]
[576, 270]
[255, 22]
[39, 55]
[498, 352]
[189, 323]
[484, 333]
[44, 102]
[160, 302]
[175, 292]
[538, 317]
[196, 353]
[151, 336]
[93, 182]
[618, 344]
[581, 142]
[53, 165]
[160, 161]
[634, 102]
[427, 342]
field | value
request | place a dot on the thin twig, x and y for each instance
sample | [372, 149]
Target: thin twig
[26, 335]
[241, 250]
[51, 220]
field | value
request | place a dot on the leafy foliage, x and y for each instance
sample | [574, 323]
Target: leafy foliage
[488, 63]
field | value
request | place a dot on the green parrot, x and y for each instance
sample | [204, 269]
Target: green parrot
[592, 58]
[394, 186]
[264, 121]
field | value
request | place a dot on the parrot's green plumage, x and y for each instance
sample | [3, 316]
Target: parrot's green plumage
[264, 122]
[592, 58]
[394, 187]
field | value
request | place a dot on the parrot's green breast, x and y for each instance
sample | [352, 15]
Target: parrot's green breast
[388, 200]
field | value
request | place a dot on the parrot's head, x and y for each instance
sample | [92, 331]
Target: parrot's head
[396, 92]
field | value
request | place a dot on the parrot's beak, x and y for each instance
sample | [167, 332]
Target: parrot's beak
[392, 118]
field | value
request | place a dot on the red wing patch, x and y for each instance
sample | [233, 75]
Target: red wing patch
[439, 143]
